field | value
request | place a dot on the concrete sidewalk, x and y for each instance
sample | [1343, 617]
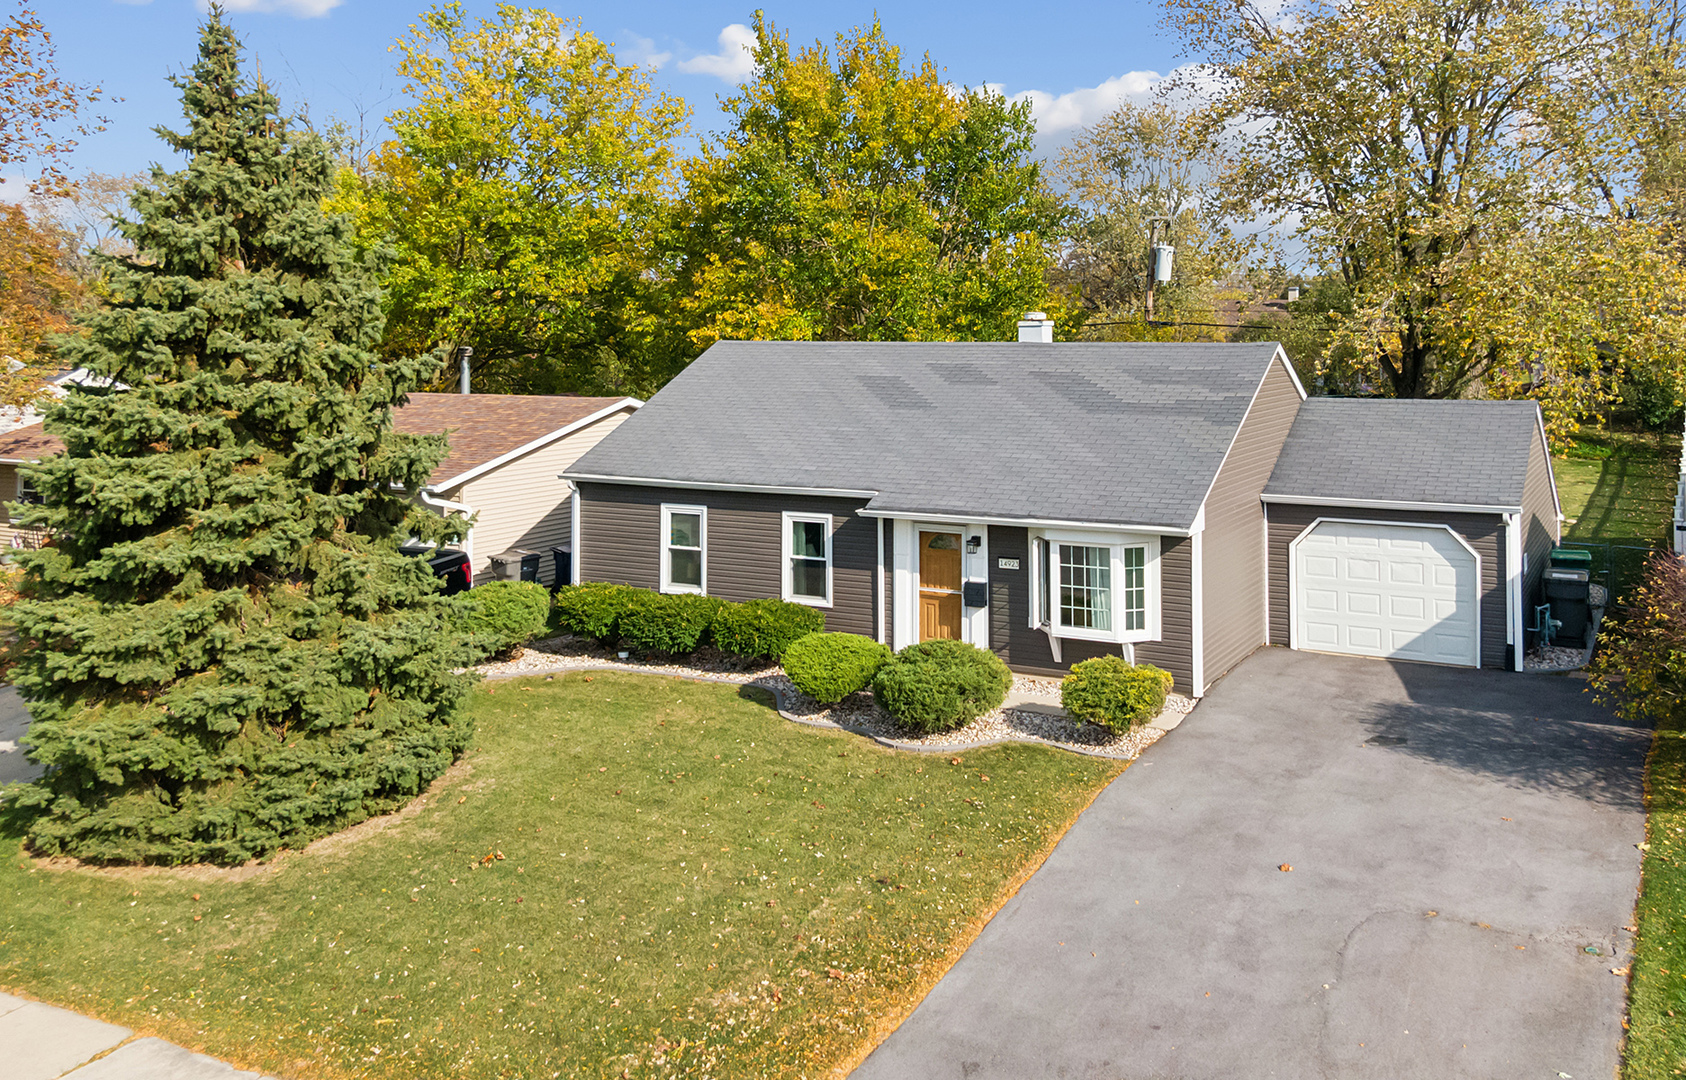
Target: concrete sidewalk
[40, 1042]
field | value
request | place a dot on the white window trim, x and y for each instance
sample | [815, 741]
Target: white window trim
[668, 510]
[789, 518]
[24, 489]
[1116, 542]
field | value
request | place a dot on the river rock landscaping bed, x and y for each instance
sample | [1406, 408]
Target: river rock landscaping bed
[858, 712]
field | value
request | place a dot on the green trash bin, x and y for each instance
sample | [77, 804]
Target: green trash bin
[1571, 559]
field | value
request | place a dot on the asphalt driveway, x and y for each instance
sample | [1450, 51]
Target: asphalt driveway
[1459, 841]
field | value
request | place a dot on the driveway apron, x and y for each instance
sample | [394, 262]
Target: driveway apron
[1463, 857]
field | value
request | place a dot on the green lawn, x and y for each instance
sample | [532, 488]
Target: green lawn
[1656, 1038]
[1618, 486]
[629, 876]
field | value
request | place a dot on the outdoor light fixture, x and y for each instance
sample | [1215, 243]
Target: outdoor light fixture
[973, 543]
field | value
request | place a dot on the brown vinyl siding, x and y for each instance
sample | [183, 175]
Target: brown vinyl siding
[524, 503]
[1540, 528]
[1233, 547]
[1483, 532]
[622, 543]
[1026, 650]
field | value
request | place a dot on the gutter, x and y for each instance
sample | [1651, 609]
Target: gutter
[445, 508]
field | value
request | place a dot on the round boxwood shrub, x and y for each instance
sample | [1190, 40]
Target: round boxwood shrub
[764, 628]
[592, 609]
[830, 667]
[654, 622]
[941, 685]
[501, 615]
[1114, 693]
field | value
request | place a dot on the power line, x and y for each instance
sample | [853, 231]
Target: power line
[1165, 323]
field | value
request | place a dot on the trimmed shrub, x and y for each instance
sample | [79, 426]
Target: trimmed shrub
[1114, 693]
[941, 685]
[655, 622]
[830, 667]
[764, 627]
[501, 615]
[592, 610]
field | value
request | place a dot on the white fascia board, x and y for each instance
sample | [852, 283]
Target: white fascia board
[1030, 523]
[698, 485]
[538, 443]
[1282, 358]
[1551, 474]
[1391, 504]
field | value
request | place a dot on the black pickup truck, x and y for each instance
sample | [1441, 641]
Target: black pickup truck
[451, 565]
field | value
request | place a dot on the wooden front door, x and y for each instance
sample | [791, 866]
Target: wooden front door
[939, 585]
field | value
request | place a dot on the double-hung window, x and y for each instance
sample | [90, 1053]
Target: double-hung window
[684, 549]
[807, 558]
[1099, 587]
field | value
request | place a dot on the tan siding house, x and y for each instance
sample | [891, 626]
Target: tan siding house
[508, 452]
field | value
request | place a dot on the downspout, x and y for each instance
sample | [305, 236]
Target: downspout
[446, 507]
[1513, 588]
[574, 529]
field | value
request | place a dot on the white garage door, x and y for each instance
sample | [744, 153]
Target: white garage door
[1402, 592]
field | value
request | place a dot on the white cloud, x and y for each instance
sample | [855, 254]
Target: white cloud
[735, 61]
[1082, 107]
[642, 52]
[304, 9]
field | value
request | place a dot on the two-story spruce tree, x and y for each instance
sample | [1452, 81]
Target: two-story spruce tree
[233, 656]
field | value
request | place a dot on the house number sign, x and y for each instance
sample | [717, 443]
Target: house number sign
[1006, 564]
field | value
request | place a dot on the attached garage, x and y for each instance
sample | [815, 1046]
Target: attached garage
[1400, 592]
[1409, 530]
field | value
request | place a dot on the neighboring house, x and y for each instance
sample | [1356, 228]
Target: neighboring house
[1058, 502]
[507, 451]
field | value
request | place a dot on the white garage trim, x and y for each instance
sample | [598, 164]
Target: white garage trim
[1293, 567]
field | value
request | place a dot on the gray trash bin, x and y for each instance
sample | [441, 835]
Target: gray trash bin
[515, 565]
[1567, 592]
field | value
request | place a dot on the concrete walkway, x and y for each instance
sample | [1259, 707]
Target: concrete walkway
[1335, 868]
[40, 1042]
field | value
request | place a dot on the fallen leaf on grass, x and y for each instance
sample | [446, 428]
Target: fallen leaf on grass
[954, 761]
[1284, 868]
[196, 896]
[833, 973]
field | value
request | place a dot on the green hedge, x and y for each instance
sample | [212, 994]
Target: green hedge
[1114, 693]
[941, 685]
[593, 609]
[500, 615]
[653, 622]
[764, 628]
[830, 667]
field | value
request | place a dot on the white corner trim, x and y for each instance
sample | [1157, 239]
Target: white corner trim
[878, 587]
[904, 585]
[1389, 504]
[574, 528]
[1197, 610]
[536, 444]
[1513, 589]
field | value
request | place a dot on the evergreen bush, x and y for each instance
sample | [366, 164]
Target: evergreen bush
[1114, 693]
[593, 609]
[830, 667]
[234, 655]
[941, 685]
[501, 615]
[675, 625]
[764, 628]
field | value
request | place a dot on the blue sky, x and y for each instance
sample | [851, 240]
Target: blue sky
[331, 55]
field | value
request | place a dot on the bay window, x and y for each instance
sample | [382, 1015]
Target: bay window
[1095, 586]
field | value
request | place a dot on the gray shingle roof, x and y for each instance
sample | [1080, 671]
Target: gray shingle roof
[1468, 453]
[1128, 433]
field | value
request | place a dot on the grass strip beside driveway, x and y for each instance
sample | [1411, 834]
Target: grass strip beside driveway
[630, 875]
[1656, 1037]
